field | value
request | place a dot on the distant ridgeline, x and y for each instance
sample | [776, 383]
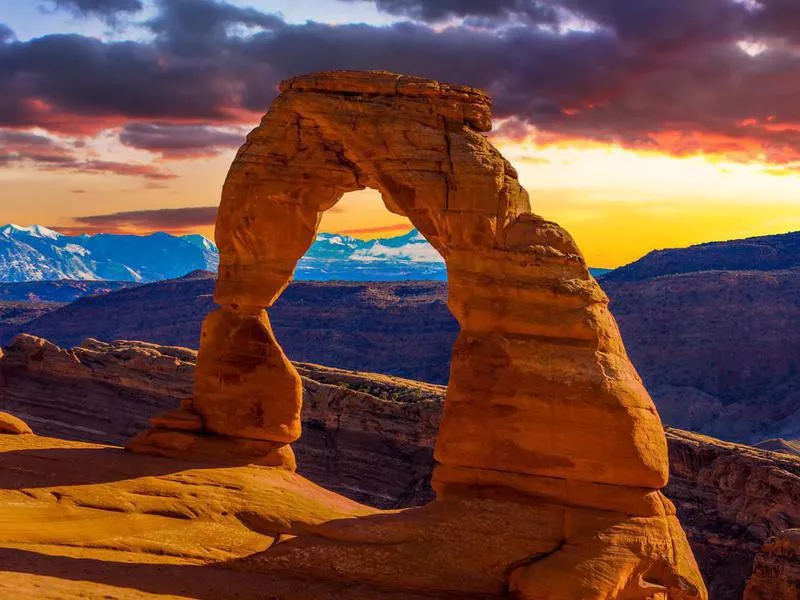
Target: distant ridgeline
[40, 254]
[37, 253]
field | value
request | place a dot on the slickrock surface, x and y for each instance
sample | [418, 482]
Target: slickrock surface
[90, 521]
[80, 520]
[776, 574]
[371, 438]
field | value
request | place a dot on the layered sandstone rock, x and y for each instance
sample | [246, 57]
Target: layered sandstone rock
[776, 574]
[546, 420]
[731, 498]
[95, 391]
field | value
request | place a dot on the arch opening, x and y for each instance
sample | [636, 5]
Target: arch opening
[381, 313]
[359, 239]
[384, 297]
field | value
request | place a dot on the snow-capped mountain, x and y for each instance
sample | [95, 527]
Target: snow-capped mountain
[341, 257]
[37, 253]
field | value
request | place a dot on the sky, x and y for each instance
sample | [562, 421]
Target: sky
[636, 124]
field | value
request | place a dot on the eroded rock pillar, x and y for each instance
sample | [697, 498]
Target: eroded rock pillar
[245, 386]
[541, 385]
[247, 396]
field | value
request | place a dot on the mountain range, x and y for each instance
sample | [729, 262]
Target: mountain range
[36, 253]
[341, 257]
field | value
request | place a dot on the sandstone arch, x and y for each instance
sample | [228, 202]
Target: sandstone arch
[542, 398]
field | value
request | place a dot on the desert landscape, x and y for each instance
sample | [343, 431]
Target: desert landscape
[402, 299]
[603, 528]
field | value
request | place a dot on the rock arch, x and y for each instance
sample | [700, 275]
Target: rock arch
[542, 398]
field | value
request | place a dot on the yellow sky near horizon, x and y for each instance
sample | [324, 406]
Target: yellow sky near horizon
[618, 204]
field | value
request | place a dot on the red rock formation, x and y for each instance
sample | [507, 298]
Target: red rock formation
[371, 438]
[11, 425]
[776, 574]
[730, 498]
[96, 392]
[542, 398]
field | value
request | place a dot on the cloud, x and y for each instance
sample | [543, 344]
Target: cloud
[191, 26]
[6, 34]
[122, 168]
[72, 83]
[442, 10]
[19, 148]
[179, 141]
[661, 75]
[110, 11]
[378, 229]
[173, 220]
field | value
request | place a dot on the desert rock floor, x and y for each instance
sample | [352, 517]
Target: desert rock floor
[87, 521]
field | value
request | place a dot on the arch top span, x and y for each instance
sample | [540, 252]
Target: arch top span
[416, 141]
[458, 103]
[542, 397]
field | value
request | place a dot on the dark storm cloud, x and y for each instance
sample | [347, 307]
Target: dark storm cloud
[6, 34]
[179, 141]
[442, 10]
[165, 219]
[107, 10]
[661, 74]
[652, 20]
[203, 26]
[47, 80]
[778, 17]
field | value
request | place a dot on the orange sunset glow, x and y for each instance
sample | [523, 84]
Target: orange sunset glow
[649, 138]
[619, 204]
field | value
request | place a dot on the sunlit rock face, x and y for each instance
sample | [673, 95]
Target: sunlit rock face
[543, 410]
[11, 425]
[776, 573]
